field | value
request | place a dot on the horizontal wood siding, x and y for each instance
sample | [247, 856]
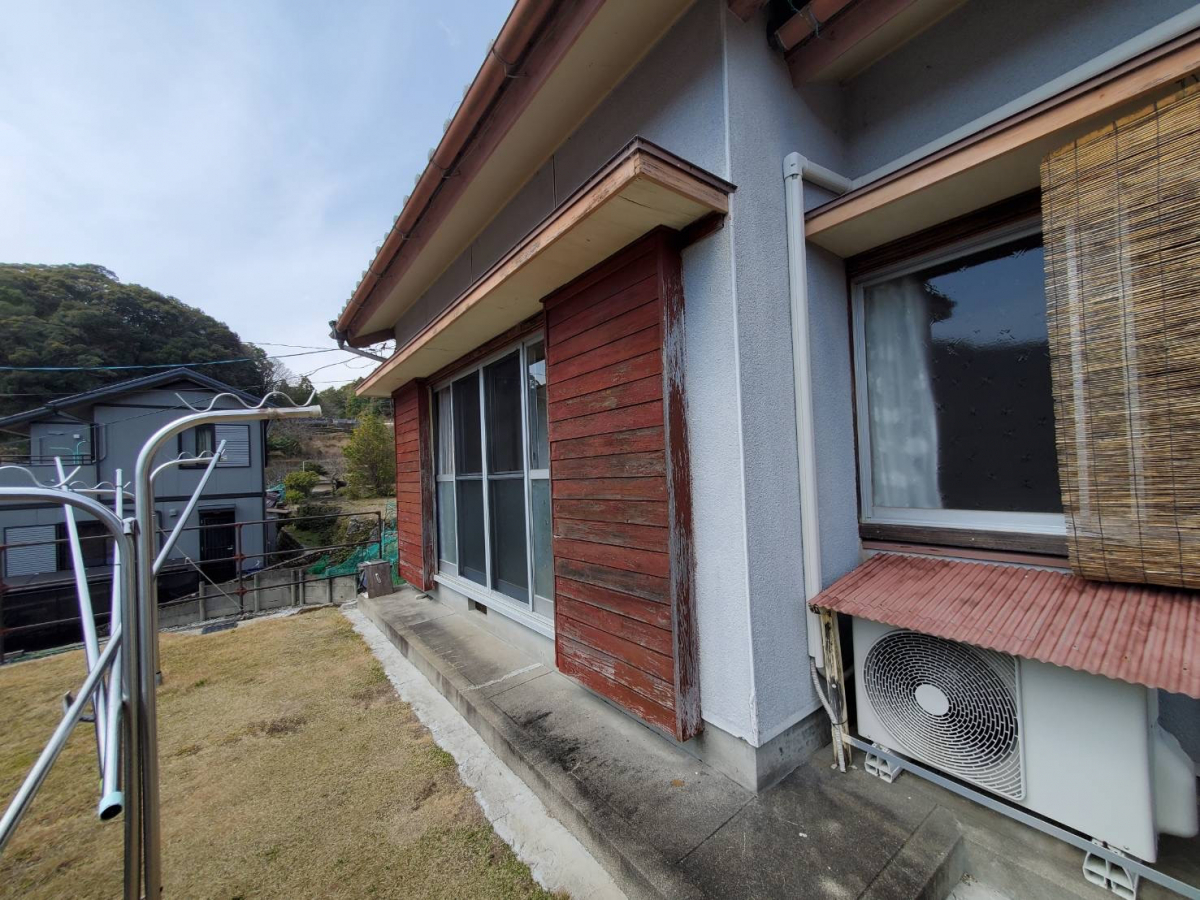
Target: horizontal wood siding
[620, 579]
[414, 485]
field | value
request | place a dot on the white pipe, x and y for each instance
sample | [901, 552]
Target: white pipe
[795, 170]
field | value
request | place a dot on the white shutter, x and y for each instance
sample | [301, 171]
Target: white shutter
[30, 560]
[237, 444]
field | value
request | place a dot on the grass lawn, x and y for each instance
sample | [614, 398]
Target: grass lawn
[290, 768]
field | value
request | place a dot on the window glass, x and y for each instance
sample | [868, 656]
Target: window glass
[205, 439]
[467, 453]
[493, 510]
[447, 542]
[502, 383]
[444, 432]
[508, 537]
[472, 559]
[543, 559]
[959, 403]
[539, 438]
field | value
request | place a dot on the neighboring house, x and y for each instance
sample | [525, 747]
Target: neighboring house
[102, 431]
[658, 380]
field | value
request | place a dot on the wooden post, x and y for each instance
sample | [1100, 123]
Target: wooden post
[201, 600]
[831, 638]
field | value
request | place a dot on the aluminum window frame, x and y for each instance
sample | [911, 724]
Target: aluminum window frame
[972, 520]
[538, 612]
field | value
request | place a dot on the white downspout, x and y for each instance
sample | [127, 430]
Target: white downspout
[797, 169]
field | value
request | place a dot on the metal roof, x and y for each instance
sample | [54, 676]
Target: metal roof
[1142, 634]
[166, 376]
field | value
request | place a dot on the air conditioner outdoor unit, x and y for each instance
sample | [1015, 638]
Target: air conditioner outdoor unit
[1082, 750]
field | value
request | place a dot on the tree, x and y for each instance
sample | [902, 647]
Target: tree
[82, 315]
[371, 458]
[342, 403]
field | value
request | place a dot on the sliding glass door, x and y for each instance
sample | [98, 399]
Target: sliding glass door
[493, 488]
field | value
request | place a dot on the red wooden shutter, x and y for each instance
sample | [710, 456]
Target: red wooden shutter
[414, 484]
[620, 484]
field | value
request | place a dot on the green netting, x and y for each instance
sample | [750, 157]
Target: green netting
[367, 553]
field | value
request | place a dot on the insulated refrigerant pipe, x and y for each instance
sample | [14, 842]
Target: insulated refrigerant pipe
[147, 619]
[797, 170]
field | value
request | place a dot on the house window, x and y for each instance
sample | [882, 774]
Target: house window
[492, 474]
[94, 541]
[955, 410]
[206, 438]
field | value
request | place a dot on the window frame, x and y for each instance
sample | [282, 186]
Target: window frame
[538, 612]
[1026, 523]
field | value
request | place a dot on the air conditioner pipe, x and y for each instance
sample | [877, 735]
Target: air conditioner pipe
[797, 170]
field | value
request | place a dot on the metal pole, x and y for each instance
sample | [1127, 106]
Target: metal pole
[173, 537]
[147, 621]
[111, 800]
[131, 720]
[58, 740]
[87, 618]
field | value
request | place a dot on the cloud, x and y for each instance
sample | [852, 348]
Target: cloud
[246, 158]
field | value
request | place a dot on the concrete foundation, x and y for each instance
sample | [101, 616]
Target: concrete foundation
[275, 590]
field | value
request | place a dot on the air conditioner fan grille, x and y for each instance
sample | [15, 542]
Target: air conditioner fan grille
[951, 705]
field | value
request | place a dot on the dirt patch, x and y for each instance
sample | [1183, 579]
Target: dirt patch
[289, 769]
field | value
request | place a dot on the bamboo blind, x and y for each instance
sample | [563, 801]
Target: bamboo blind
[1121, 210]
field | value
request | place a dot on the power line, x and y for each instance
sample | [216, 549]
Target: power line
[178, 365]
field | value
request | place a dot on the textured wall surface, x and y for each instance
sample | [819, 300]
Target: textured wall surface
[978, 58]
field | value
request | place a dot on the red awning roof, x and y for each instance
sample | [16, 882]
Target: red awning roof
[1136, 633]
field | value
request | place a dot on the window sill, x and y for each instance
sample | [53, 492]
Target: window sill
[1004, 541]
[498, 602]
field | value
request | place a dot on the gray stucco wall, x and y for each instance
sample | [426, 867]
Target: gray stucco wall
[715, 93]
[768, 120]
[975, 60]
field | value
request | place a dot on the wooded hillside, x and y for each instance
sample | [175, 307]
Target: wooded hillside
[83, 315]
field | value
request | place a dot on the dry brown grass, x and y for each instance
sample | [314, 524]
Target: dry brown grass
[290, 768]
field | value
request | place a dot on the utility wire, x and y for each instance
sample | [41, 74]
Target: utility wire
[177, 365]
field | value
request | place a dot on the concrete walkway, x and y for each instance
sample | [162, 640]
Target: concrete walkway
[666, 825]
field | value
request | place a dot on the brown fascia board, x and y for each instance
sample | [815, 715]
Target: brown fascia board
[536, 35]
[808, 21]
[746, 9]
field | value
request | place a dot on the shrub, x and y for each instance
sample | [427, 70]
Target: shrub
[299, 485]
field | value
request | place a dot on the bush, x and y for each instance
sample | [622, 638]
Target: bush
[286, 445]
[371, 458]
[319, 523]
[299, 485]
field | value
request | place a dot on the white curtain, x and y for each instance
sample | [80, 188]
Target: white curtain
[901, 414]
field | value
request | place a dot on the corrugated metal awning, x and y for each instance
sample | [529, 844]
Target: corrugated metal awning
[1136, 633]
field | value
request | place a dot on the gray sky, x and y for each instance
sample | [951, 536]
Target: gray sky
[245, 157]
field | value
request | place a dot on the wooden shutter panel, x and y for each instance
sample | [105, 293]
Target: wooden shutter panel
[620, 486]
[414, 484]
[1121, 212]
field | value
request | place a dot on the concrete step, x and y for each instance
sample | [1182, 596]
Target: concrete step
[664, 824]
